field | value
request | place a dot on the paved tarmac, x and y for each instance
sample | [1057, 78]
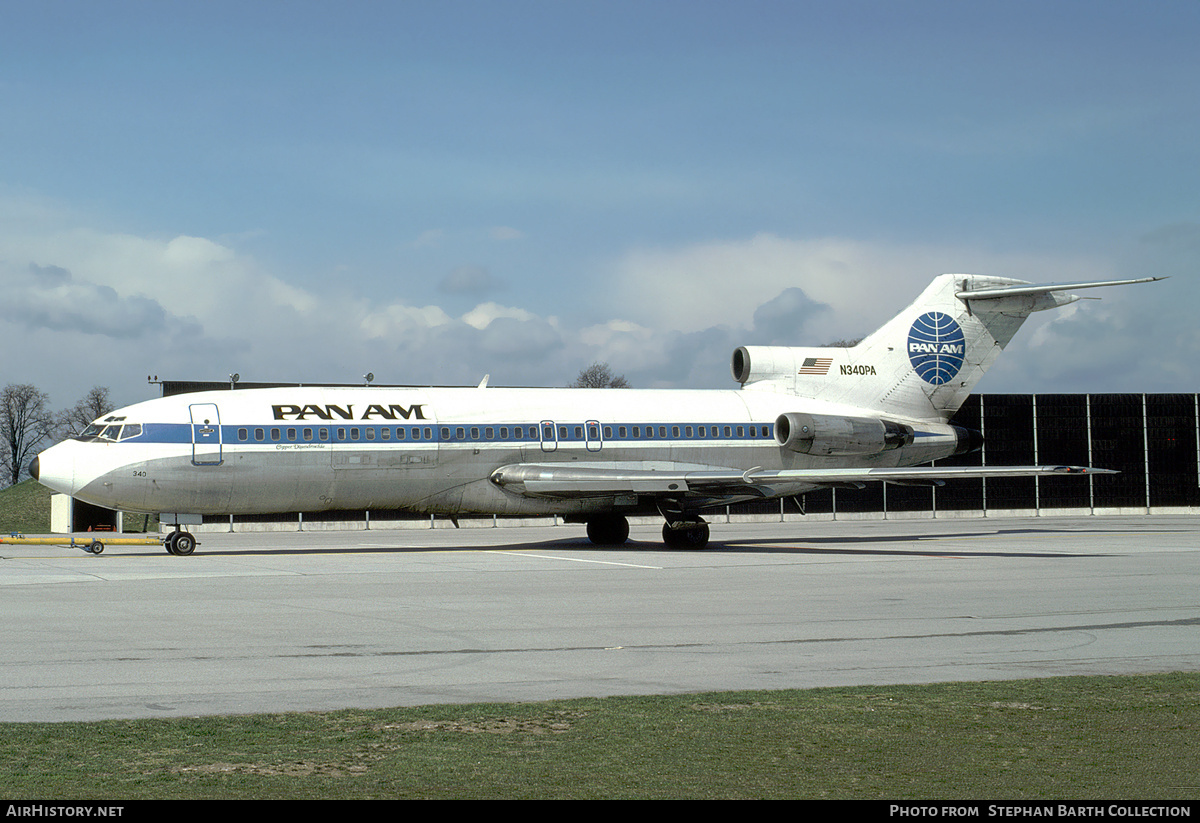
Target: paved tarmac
[326, 620]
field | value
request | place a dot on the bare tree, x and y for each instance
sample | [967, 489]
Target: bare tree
[25, 423]
[599, 376]
[95, 404]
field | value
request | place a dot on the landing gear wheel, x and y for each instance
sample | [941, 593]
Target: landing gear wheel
[608, 530]
[185, 544]
[179, 543]
[686, 536]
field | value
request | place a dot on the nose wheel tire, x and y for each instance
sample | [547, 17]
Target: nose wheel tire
[180, 544]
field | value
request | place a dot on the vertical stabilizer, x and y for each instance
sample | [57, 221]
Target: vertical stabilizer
[926, 360]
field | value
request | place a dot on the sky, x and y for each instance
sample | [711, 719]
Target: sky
[435, 191]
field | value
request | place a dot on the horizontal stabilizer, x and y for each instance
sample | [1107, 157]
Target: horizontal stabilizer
[1047, 288]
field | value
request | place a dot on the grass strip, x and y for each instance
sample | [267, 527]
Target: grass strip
[1057, 738]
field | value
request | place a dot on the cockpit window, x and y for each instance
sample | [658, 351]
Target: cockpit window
[108, 430]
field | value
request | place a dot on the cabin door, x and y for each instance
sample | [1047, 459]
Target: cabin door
[206, 434]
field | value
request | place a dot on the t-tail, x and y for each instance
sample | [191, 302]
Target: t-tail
[925, 361]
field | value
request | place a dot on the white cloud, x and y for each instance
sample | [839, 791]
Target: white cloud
[484, 314]
[48, 297]
[397, 320]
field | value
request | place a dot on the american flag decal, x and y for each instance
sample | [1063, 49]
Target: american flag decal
[816, 365]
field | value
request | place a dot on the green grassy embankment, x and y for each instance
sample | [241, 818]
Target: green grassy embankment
[25, 508]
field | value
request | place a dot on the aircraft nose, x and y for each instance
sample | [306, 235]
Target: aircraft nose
[55, 468]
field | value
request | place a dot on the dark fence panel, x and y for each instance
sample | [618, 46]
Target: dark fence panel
[1172, 439]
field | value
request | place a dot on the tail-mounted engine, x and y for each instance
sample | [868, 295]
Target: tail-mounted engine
[750, 364]
[823, 434]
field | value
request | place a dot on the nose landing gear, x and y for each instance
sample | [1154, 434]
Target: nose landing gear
[179, 543]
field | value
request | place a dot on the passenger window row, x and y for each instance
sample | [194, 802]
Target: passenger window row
[326, 434]
[590, 432]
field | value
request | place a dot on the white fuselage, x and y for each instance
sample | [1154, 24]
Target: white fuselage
[427, 449]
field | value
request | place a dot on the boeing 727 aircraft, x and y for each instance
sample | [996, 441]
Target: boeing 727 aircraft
[803, 419]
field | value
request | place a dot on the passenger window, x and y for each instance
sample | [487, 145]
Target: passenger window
[243, 435]
[291, 434]
[675, 431]
[662, 431]
[260, 435]
[308, 435]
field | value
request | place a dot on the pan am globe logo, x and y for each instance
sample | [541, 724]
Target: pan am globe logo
[936, 347]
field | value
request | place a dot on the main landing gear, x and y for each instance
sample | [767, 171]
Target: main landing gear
[688, 534]
[608, 530]
[179, 543]
[612, 530]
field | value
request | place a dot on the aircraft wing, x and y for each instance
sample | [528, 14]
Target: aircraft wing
[558, 480]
